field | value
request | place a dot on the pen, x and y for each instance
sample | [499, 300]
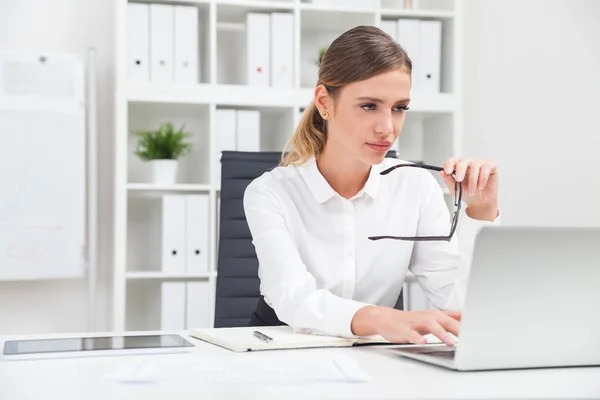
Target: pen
[263, 337]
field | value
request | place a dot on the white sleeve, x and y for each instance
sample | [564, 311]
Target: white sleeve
[286, 283]
[442, 268]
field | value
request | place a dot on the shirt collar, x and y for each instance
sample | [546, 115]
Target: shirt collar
[322, 191]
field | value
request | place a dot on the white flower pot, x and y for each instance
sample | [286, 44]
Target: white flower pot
[164, 172]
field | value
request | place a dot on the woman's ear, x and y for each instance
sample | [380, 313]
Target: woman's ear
[322, 100]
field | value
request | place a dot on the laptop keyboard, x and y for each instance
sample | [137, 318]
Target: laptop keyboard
[443, 352]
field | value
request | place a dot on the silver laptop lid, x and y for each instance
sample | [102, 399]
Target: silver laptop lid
[533, 299]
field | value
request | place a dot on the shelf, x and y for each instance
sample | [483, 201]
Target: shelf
[180, 187]
[174, 2]
[333, 19]
[433, 14]
[240, 95]
[256, 96]
[231, 27]
[236, 10]
[337, 9]
[432, 130]
[159, 275]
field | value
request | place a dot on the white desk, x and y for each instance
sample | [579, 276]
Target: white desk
[392, 377]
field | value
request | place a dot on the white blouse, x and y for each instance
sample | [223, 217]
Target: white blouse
[317, 267]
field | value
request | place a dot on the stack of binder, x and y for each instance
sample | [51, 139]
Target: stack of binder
[162, 43]
[185, 249]
[270, 49]
[236, 130]
[185, 305]
[422, 41]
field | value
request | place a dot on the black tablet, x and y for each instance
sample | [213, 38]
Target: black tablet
[90, 345]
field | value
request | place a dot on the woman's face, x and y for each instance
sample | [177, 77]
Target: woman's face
[368, 116]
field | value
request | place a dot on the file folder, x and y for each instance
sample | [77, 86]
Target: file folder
[282, 49]
[431, 44]
[248, 130]
[173, 233]
[258, 43]
[138, 42]
[225, 126]
[172, 315]
[389, 27]
[198, 308]
[187, 66]
[197, 231]
[161, 43]
[409, 37]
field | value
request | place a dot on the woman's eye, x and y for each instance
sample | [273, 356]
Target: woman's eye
[371, 107]
[368, 107]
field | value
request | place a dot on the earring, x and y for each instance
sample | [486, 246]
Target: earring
[325, 114]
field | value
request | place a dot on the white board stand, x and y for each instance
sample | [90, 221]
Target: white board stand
[48, 169]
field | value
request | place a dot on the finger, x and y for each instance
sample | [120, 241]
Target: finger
[449, 166]
[484, 175]
[449, 181]
[450, 324]
[473, 177]
[461, 168]
[438, 330]
[457, 315]
[415, 337]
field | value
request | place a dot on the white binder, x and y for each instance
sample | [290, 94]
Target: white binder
[173, 302]
[258, 43]
[198, 308]
[225, 125]
[408, 36]
[161, 43]
[282, 49]
[173, 233]
[197, 230]
[186, 44]
[138, 42]
[389, 27]
[431, 56]
[248, 130]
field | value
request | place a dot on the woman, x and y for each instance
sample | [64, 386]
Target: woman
[311, 217]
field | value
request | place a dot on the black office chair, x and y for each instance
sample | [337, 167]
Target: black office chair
[238, 285]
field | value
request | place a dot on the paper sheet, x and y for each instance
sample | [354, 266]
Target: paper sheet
[240, 370]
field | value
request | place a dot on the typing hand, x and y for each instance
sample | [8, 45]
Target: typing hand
[411, 326]
[480, 185]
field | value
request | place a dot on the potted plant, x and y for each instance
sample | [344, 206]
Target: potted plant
[162, 148]
[322, 52]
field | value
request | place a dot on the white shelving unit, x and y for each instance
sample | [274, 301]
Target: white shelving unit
[433, 129]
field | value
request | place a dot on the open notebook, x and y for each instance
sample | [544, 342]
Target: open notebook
[243, 339]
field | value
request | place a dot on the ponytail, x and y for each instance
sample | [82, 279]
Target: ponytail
[308, 139]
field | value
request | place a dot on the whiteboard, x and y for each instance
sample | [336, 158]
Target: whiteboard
[42, 167]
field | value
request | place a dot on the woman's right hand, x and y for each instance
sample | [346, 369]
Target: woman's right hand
[407, 326]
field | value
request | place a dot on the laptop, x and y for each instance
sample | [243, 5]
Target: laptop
[533, 301]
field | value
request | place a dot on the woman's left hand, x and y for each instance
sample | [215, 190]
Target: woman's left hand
[480, 185]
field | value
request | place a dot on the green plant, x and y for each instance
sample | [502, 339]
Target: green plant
[322, 52]
[165, 143]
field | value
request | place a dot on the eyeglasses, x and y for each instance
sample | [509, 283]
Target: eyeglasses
[457, 204]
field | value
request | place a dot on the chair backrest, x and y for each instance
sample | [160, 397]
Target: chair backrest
[238, 285]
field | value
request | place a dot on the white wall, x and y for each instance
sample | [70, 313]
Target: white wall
[532, 103]
[65, 26]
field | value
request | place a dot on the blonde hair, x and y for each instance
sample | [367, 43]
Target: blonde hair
[359, 53]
